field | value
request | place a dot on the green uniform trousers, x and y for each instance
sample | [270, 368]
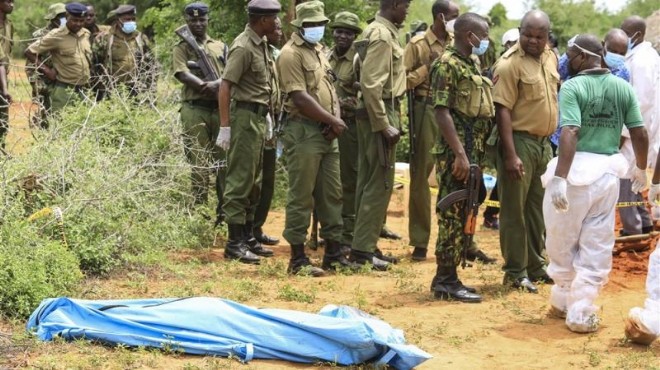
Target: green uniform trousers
[244, 163]
[267, 186]
[521, 208]
[312, 163]
[374, 185]
[200, 129]
[61, 96]
[421, 166]
[348, 165]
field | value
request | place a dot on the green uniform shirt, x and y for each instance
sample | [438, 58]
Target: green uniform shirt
[447, 91]
[383, 76]
[249, 68]
[215, 50]
[276, 94]
[122, 55]
[6, 40]
[346, 79]
[417, 57]
[599, 104]
[303, 67]
[71, 54]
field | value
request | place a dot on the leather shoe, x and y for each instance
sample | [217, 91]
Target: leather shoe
[419, 254]
[545, 279]
[391, 259]
[480, 256]
[386, 233]
[255, 247]
[525, 284]
[455, 292]
[242, 255]
[492, 223]
[468, 288]
[362, 258]
[264, 238]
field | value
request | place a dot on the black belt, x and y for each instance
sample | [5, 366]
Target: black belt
[70, 86]
[201, 103]
[256, 108]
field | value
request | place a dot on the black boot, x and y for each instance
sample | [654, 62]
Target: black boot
[447, 286]
[334, 259]
[253, 244]
[379, 254]
[236, 249]
[362, 258]
[299, 262]
[263, 238]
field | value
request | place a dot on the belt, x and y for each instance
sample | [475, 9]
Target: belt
[256, 108]
[70, 86]
[349, 120]
[527, 135]
[201, 103]
[421, 99]
[396, 102]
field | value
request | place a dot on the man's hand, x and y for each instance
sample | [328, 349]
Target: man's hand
[514, 167]
[7, 98]
[557, 190]
[337, 126]
[460, 169]
[49, 73]
[210, 88]
[654, 194]
[224, 137]
[639, 180]
[391, 135]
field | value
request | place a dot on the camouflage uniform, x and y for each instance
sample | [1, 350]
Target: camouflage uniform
[6, 43]
[38, 82]
[450, 75]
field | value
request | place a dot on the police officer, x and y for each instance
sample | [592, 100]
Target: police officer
[309, 140]
[382, 82]
[6, 43]
[247, 81]
[345, 28]
[418, 55]
[38, 82]
[91, 25]
[199, 110]
[71, 53]
[525, 94]
[463, 107]
[122, 55]
[270, 148]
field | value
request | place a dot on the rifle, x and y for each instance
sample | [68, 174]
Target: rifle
[314, 236]
[410, 97]
[203, 63]
[470, 209]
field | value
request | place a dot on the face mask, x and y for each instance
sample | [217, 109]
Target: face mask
[313, 34]
[483, 46]
[449, 26]
[614, 61]
[129, 27]
[62, 21]
[631, 42]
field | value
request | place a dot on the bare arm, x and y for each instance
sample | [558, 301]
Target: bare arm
[568, 145]
[512, 164]
[640, 143]
[309, 108]
[224, 96]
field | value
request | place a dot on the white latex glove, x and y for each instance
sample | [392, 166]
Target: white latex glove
[224, 137]
[269, 127]
[639, 180]
[654, 194]
[557, 189]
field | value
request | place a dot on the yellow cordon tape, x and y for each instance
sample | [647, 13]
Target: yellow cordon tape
[496, 204]
[59, 217]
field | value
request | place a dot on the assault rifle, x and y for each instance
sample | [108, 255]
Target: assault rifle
[410, 97]
[383, 149]
[469, 210]
[203, 63]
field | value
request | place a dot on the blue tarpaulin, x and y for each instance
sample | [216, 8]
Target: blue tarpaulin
[220, 327]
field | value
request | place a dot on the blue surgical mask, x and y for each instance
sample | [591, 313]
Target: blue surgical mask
[483, 46]
[313, 34]
[129, 27]
[62, 21]
[631, 41]
[614, 61]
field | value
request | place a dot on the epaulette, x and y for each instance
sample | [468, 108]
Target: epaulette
[416, 38]
[511, 51]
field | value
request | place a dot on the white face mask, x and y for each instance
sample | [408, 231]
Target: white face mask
[449, 26]
[62, 21]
